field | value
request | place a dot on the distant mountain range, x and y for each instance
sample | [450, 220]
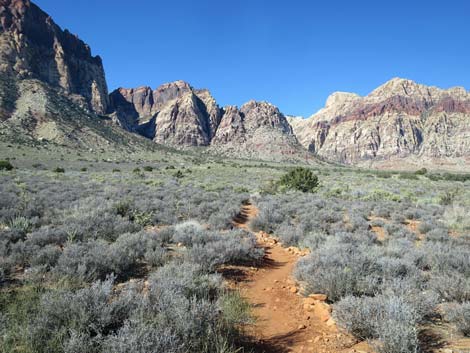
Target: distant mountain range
[51, 87]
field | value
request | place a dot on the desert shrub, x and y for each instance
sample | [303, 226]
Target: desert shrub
[398, 218]
[313, 240]
[457, 217]
[451, 286]
[269, 217]
[234, 247]
[46, 256]
[59, 170]
[86, 261]
[97, 259]
[425, 227]
[387, 318]
[408, 176]
[289, 234]
[140, 336]
[421, 171]
[148, 168]
[438, 234]
[98, 224]
[189, 233]
[459, 315]
[413, 213]
[339, 269]
[300, 179]
[447, 198]
[382, 211]
[65, 317]
[6, 165]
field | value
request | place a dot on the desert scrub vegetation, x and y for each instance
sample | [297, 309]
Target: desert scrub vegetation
[383, 289]
[106, 262]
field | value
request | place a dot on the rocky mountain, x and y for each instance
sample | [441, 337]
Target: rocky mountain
[51, 87]
[400, 120]
[177, 114]
[33, 46]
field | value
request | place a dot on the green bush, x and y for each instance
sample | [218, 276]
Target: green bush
[148, 168]
[421, 171]
[59, 170]
[301, 179]
[6, 165]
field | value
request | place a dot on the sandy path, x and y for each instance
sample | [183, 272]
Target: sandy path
[283, 323]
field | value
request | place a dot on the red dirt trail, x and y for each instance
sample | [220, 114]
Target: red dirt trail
[285, 321]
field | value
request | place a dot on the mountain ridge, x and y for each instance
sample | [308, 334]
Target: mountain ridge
[53, 88]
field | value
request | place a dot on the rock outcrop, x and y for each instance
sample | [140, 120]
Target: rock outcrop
[176, 114]
[32, 46]
[400, 119]
[255, 130]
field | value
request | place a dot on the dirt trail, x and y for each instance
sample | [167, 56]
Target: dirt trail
[285, 321]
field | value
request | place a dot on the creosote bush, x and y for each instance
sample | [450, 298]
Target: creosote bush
[6, 165]
[300, 179]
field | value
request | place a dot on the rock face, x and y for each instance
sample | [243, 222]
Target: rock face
[176, 114]
[400, 119]
[255, 130]
[32, 46]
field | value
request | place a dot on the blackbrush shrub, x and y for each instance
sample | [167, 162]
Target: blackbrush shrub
[459, 315]
[189, 233]
[425, 227]
[301, 179]
[234, 247]
[86, 261]
[6, 165]
[387, 318]
[65, 317]
[340, 269]
[451, 286]
[140, 336]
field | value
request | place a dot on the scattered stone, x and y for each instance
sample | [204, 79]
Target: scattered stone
[294, 290]
[302, 327]
[319, 297]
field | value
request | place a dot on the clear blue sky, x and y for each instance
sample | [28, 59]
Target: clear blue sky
[291, 53]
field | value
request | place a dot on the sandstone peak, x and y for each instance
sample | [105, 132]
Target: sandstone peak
[254, 103]
[179, 84]
[339, 98]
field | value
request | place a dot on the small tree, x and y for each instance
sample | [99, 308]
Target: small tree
[301, 179]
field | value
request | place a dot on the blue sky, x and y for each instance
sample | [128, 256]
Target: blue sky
[291, 53]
